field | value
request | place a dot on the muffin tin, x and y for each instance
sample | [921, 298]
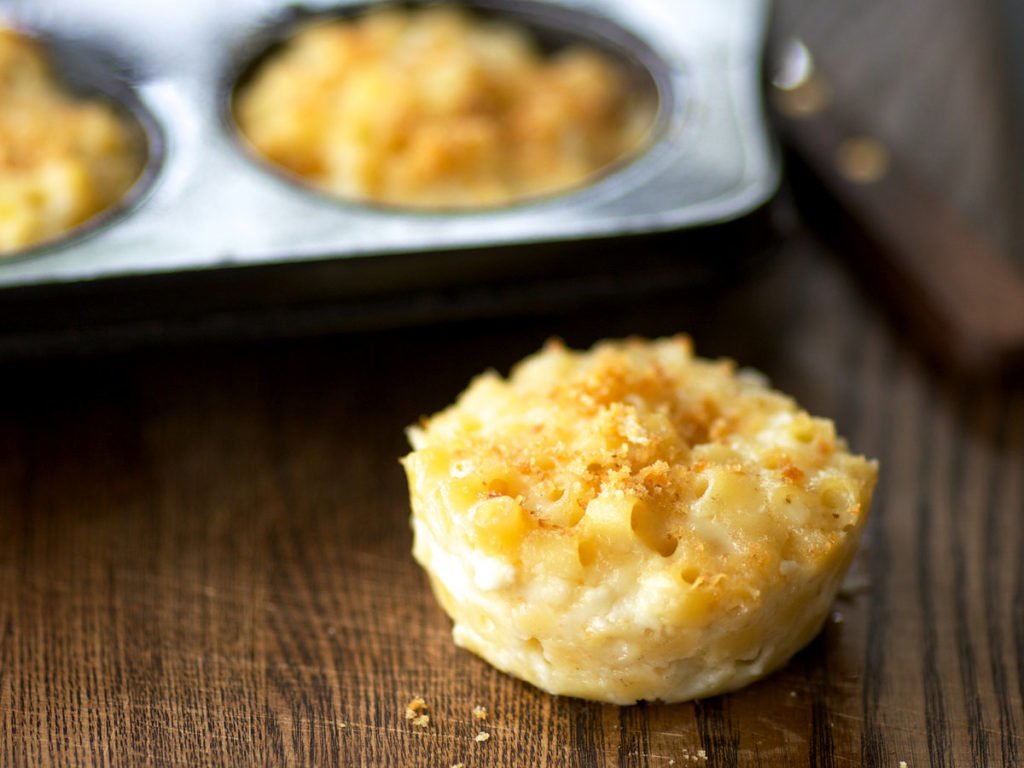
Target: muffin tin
[210, 230]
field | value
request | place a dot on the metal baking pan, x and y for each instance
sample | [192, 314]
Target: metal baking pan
[211, 235]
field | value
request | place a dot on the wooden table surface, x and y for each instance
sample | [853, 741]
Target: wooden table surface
[204, 551]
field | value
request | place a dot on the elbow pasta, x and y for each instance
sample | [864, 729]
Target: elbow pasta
[633, 522]
[62, 159]
[436, 109]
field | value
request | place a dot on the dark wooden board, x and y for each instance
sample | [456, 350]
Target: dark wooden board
[204, 550]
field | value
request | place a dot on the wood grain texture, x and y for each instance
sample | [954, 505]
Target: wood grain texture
[926, 77]
[204, 552]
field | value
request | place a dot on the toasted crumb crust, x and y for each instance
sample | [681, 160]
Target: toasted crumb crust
[633, 522]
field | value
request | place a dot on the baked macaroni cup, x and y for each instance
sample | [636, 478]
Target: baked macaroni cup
[633, 522]
[65, 158]
[439, 108]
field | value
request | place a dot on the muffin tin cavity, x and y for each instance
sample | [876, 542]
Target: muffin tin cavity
[83, 150]
[446, 107]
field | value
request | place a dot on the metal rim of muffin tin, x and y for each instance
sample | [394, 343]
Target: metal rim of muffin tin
[553, 26]
[602, 207]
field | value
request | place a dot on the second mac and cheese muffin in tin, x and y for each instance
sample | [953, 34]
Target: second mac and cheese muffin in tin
[439, 108]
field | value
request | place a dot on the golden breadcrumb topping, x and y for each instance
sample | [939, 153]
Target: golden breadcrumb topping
[435, 108]
[63, 159]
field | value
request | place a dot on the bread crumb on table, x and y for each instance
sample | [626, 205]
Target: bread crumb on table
[482, 736]
[480, 713]
[416, 712]
[697, 756]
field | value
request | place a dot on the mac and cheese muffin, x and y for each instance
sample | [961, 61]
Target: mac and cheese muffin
[63, 159]
[435, 108]
[633, 522]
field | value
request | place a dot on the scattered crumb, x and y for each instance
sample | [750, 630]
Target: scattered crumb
[671, 762]
[482, 736]
[414, 707]
[792, 694]
[343, 725]
[480, 713]
[459, 765]
[702, 754]
[903, 764]
[416, 711]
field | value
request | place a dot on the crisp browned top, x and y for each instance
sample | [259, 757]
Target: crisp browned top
[638, 454]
